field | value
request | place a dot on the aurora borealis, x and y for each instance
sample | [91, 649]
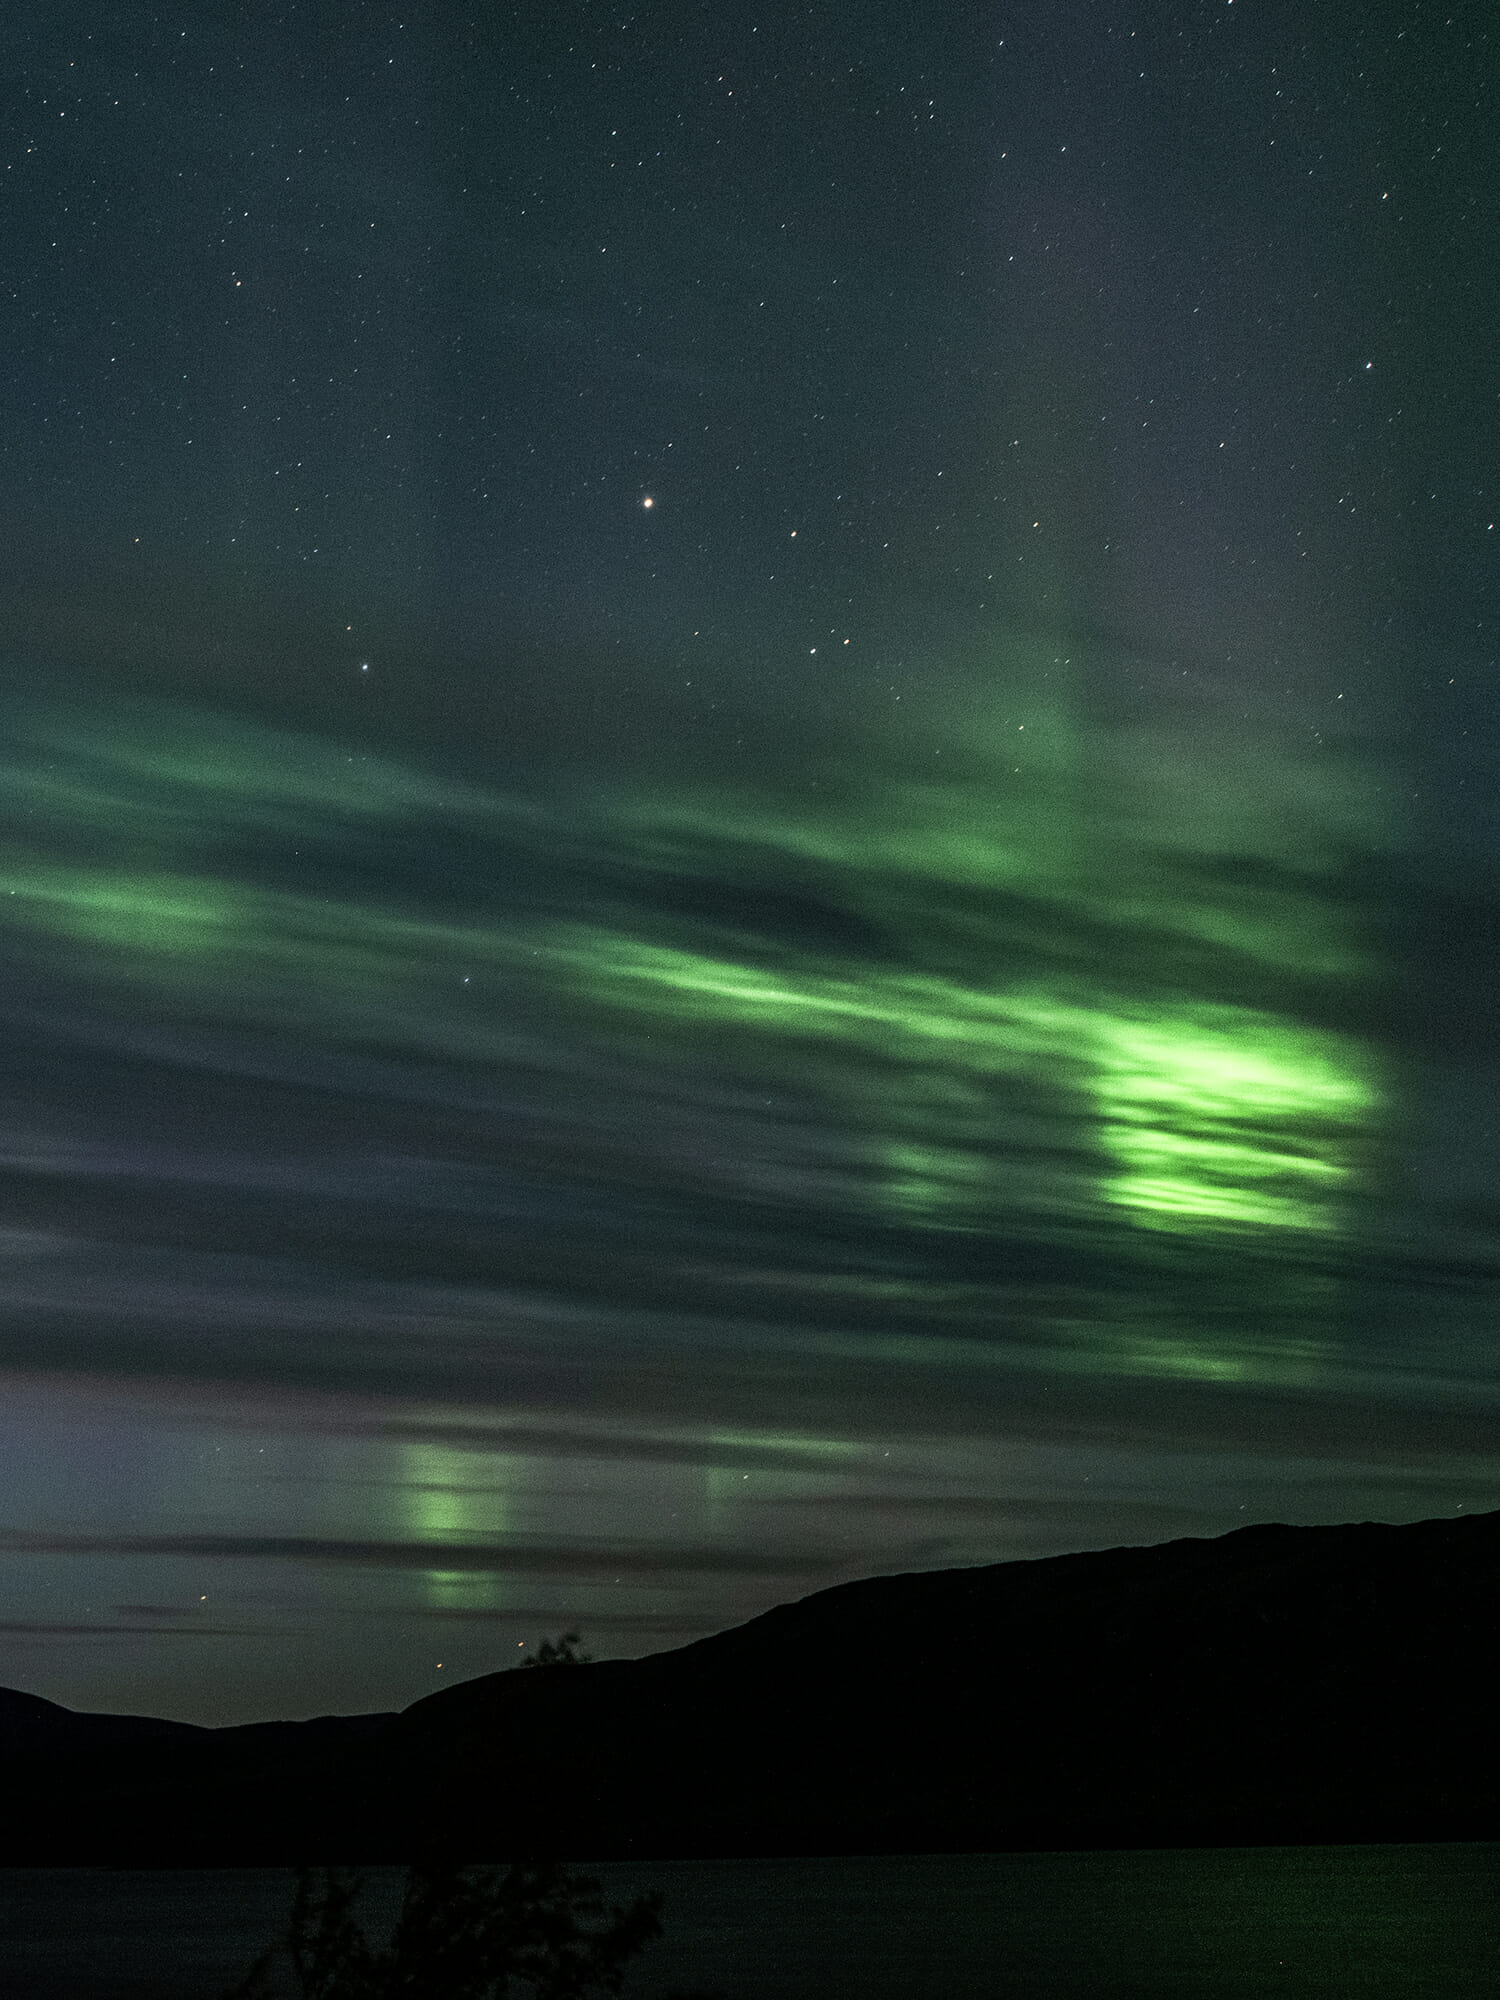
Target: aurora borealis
[925, 997]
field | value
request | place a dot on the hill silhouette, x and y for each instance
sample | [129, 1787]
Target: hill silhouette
[1276, 1684]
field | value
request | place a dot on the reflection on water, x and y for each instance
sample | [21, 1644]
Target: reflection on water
[1241, 1923]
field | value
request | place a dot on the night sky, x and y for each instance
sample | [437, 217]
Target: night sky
[749, 811]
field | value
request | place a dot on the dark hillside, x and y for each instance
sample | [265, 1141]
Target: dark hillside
[1278, 1684]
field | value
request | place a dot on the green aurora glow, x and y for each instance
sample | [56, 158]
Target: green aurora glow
[1188, 1112]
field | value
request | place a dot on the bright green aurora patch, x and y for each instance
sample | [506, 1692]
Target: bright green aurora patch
[1204, 1116]
[1008, 1002]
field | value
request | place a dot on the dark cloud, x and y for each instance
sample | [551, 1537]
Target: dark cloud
[165, 1611]
[119, 1630]
[456, 1557]
[546, 1619]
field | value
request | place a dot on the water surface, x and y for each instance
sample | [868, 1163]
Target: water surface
[1333, 1922]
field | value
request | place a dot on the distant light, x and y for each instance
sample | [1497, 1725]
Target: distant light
[648, 501]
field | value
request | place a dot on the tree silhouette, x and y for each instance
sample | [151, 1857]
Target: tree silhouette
[563, 1652]
[463, 1934]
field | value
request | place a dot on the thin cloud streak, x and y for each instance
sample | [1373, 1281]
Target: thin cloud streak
[457, 1557]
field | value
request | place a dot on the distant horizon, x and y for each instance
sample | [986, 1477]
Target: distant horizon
[677, 1644]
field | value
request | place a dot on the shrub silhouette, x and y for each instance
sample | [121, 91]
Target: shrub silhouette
[563, 1652]
[463, 1934]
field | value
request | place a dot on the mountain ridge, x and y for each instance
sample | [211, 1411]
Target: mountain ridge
[1275, 1683]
